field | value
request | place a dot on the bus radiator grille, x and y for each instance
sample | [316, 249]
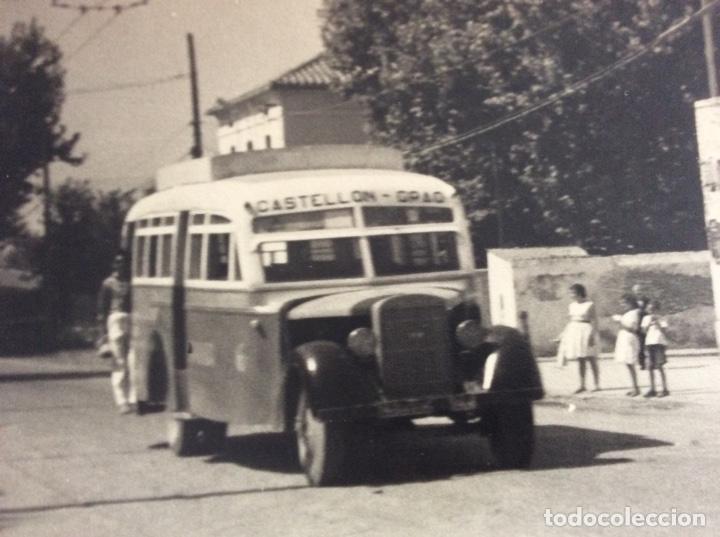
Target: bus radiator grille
[414, 348]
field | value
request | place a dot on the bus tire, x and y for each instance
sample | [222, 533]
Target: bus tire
[320, 445]
[511, 432]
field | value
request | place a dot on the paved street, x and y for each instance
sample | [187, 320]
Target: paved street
[70, 465]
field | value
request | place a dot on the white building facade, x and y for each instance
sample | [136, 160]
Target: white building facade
[297, 108]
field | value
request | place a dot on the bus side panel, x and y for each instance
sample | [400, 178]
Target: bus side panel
[235, 370]
[150, 323]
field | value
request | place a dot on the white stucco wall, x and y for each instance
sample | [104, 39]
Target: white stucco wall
[707, 127]
[501, 286]
[538, 282]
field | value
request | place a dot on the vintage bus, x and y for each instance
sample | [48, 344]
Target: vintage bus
[318, 292]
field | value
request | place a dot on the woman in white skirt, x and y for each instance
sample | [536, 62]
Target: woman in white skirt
[579, 339]
[627, 344]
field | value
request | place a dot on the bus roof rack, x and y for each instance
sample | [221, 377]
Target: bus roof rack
[312, 157]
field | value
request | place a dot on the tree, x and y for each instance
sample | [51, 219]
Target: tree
[612, 168]
[84, 237]
[31, 98]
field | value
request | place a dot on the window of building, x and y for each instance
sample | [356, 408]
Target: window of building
[268, 142]
[249, 146]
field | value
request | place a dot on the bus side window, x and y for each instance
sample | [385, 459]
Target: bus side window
[218, 259]
[139, 256]
[153, 257]
[166, 255]
[194, 256]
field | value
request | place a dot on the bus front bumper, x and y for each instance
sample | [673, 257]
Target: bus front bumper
[417, 407]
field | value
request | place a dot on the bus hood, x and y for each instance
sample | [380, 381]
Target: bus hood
[359, 302]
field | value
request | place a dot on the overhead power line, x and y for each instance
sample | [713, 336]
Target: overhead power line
[70, 25]
[128, 85]
[84, 8]
[92, 36]
[576, 86]
[545, 29]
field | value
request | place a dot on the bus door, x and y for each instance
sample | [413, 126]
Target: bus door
[177, 368]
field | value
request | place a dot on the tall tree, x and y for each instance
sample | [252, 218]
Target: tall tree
[31, 98]
[612, 167]
[84, 237]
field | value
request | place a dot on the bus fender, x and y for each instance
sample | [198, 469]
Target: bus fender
[332, 377]
[515, 370]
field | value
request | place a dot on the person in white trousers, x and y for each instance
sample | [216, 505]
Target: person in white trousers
[114, 313]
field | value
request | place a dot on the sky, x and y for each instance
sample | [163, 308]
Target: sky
[127, 134]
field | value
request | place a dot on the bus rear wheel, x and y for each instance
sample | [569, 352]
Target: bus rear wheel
[194, 436]
[320, 445]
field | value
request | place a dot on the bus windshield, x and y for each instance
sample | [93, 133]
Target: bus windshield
[314, 259]
[414, 252]
[321, 259]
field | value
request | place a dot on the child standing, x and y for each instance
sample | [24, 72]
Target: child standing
[653, 327]
[627, 344]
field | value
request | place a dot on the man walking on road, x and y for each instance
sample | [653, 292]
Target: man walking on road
[114, 313]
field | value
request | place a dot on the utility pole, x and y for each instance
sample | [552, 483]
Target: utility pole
[709, 40]
[197, 148]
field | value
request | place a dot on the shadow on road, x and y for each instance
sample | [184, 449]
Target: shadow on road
[561, 446]
[267, 452]
[422, 455]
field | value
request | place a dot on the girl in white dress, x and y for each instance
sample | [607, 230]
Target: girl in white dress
[627, 344]
[579, 339]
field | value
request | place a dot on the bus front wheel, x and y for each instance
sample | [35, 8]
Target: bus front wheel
[320, 445]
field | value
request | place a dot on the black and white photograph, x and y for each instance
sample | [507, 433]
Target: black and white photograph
[339, 268]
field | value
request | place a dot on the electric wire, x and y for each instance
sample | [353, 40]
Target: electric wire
[545, 29]
[69, 26]
[128, 85]
[93, 36]
[573, 88]
[84, 8]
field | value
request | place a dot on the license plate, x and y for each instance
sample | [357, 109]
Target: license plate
[463, 403]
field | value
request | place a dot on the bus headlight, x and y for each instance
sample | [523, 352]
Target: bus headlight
[470, 334]
[361, 342]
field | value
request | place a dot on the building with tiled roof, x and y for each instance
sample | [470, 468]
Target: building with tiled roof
[296, 108]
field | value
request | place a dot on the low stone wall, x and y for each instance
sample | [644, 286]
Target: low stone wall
[679, 280]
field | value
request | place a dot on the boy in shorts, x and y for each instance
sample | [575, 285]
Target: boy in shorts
[653, 327]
